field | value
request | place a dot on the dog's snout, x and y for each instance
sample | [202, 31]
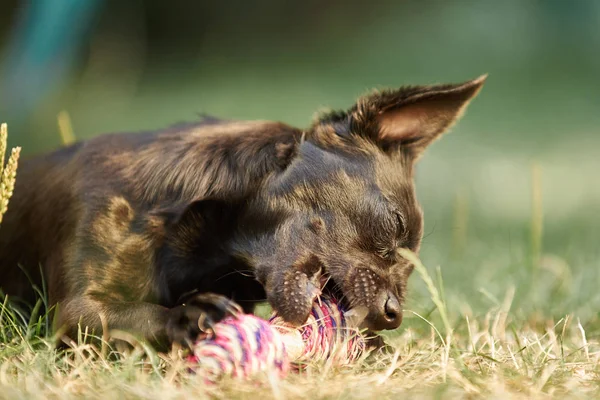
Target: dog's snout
[374, 291]
[388, 313]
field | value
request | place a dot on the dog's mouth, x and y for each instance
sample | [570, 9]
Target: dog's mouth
[355, 315]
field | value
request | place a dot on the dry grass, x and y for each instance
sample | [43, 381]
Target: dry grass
[534, 364]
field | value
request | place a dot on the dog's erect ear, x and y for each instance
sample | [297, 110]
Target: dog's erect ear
[414, 117]
[409, 118]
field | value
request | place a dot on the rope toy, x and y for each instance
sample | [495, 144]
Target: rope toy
[245, 345]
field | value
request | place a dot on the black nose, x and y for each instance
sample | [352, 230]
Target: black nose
[388, 314]
[392, 309]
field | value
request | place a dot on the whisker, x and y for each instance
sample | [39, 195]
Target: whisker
[425, 236]
[326, 282]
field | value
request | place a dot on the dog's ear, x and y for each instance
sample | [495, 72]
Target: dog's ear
[181, 212]
[415, 117]
[196, 216]
[410, 118]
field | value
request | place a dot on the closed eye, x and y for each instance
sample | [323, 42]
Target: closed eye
[387, 254]
[400, 225]
[387, 248]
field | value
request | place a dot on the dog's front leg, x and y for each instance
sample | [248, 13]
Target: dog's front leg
[158, 325]
[112, 280]
[94, 313]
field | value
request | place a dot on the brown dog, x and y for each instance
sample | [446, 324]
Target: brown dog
[125, 226]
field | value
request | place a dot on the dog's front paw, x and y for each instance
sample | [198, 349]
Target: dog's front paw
[198, 315]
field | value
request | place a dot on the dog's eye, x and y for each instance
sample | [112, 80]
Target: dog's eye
[400, 224]
[386, 254]
[387, 247]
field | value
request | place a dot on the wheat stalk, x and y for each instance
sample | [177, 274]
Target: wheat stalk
[3, 139]
[9, 172]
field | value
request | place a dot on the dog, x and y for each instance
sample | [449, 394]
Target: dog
[151, 232]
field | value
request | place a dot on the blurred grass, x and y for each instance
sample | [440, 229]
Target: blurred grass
[281, 62]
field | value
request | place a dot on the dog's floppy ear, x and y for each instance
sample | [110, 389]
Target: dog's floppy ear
[182, 212]
[409, 118]
[191, 218]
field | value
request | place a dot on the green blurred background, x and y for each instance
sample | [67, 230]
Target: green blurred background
[135, 65]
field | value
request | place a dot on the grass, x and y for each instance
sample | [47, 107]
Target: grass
[484, 358]
[495, 354]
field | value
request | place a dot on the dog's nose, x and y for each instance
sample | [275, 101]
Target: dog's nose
[392, 309]
[389, 313]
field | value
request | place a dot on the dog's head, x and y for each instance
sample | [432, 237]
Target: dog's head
[342, 205]
[346, 203]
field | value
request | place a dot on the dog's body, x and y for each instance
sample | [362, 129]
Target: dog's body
[126, 225]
